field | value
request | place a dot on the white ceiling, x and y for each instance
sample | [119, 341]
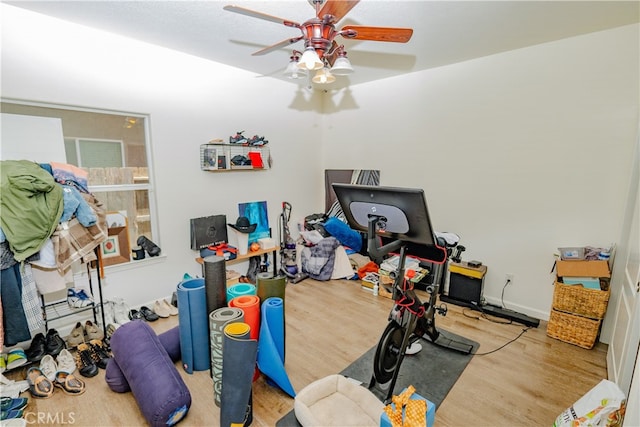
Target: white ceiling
[445, 32]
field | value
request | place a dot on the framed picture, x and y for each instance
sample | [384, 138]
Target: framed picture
[115, 249]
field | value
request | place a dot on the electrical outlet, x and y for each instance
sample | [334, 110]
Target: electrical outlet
[508, 278]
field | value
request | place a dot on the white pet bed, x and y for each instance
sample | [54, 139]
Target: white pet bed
[337, 401]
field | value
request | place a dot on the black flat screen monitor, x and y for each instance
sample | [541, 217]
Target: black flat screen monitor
[405, 210]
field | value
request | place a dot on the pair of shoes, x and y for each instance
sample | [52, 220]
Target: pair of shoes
[144, 313]
[15, 358]
[161, 309]
[78, 299]
[65, 363]
[54, 344]
[69, 383]
[84, 361]
[146, 244]
[37, 349]
[164, 309]
[39, 385]
[8, 403]
[99, 353]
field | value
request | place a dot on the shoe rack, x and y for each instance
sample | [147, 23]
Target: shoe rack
[225, 157]
[60, 309]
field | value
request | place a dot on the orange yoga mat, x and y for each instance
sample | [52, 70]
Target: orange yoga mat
[250, 305]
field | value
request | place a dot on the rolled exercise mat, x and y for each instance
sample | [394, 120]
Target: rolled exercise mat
[269, 286]
[239, 290]
[215, 282]
[194, 325]
[271, 343]
[218, 319]
[250, 305]
[238, 364]
[161, 394]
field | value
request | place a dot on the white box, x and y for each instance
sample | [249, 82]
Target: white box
[267, 243]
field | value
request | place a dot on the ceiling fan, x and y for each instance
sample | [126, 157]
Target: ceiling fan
[321, 51]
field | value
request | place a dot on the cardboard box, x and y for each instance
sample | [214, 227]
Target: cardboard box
[598, 269]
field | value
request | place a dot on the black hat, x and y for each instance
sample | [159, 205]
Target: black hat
[242, 225]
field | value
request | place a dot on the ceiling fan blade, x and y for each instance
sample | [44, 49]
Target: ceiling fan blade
[378, 34]
[260, 15]
[337, 8]
[279, 45]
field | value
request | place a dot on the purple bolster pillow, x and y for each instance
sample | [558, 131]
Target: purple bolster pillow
[142, 359]
[116, 381]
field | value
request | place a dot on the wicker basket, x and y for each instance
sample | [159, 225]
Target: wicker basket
[573, 329]
[580, 300]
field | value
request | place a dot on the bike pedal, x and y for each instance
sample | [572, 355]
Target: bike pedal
[442, 310]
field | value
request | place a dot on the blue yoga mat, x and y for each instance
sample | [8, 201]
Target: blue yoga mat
[271, 344]
[240, 289]
[193, 325]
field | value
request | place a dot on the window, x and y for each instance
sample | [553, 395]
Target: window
[114, 149]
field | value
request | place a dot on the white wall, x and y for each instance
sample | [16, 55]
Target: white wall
[519, 153]
[190, 101]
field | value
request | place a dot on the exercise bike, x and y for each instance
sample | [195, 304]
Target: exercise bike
[410, 318]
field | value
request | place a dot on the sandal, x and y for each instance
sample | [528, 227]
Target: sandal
[69, 383]
[39, 385]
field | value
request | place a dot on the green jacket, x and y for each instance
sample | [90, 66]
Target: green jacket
[31, 204]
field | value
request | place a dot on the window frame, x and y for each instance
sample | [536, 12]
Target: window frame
[148, 186]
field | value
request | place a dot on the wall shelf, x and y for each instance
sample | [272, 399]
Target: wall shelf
[234, 157]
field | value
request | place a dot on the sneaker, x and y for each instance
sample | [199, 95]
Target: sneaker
[49, 367]
[66, 362]
[99, 353]
[9, 403]
[54, 344]
[257, 140]
[84, 361]
[37, 349]
[92, 331]
[3, 363]
[76, 337]
[16, 358]
[109, 315]
[75, 301]
[238, 138]
[414, 348]
[83, 295]
[120, 311]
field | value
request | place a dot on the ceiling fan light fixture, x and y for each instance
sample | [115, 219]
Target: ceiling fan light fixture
[293, 71]
[323, 76]
[310, 60]
[342, 66]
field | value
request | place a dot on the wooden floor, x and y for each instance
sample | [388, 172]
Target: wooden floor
[329, 324]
